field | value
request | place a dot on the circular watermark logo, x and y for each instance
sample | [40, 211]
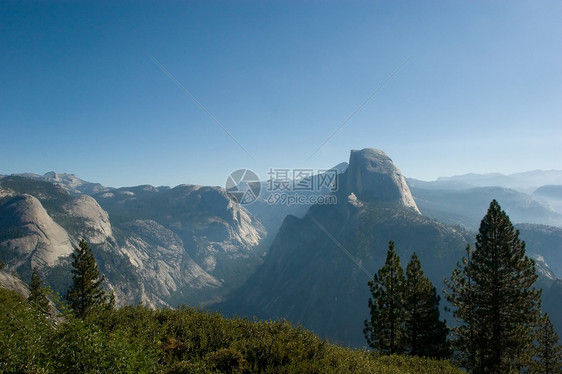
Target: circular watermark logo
[244, 185]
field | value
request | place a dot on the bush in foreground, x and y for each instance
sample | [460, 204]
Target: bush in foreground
[141, 340]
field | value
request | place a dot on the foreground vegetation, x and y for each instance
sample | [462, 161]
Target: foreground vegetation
[141, 340]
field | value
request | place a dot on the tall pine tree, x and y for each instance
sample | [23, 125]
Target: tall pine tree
[38, 293]
[494, 299]
[425, 334]
[548, 352]
[384, 330]
[86, 294]
[461, 289]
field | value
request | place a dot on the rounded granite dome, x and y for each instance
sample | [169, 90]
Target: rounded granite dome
[372, 177]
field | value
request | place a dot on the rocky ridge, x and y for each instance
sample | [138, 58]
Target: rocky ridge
[160, 248]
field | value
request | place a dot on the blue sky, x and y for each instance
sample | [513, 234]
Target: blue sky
[477, 87]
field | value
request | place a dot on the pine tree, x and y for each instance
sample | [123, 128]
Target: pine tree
[86, 294]
[425, 334]
[38, 293]
[548, 352]
[384, 330]
[461, 291]
[494, 298]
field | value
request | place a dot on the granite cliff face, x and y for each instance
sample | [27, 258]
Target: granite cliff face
[97, 228]
[13, 283]
[160, 247]
[372, 177]
[216, 232]
[30, 234]
[166, 273]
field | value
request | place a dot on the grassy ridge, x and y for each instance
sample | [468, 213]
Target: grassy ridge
[141, 340]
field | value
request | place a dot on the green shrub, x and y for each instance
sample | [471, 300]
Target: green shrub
[25, 335]
[225, 360]
[84, 348]
[142, 340]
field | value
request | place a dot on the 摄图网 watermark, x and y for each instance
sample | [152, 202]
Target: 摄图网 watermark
[284, 186]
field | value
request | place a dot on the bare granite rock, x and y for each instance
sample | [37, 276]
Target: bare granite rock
[373, 177]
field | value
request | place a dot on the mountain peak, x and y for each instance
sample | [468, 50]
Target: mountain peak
[69, 182]
[373, 177]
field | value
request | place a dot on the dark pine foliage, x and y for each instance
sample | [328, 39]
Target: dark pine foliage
[405, 311]
[493, 298]
[548, 352]
[459, 293]
[86, 294]
[38, 292]
[384, 330]
[425, 333]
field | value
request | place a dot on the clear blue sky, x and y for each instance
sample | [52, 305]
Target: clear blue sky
[80, 91]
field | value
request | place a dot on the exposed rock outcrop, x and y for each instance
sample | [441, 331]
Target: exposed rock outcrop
[13, 283]
[372, 177]
[36, 237]
[189, 244]
[95, 219]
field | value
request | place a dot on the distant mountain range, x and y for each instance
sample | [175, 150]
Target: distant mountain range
[525, 182]
[534, 196]
[466, 207]
[69, 182]
[306, 262]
